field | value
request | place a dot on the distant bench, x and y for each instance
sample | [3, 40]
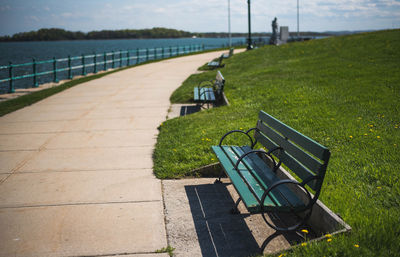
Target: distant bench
[216, 64]
[257, 183]
[209, 91]
[229, 54]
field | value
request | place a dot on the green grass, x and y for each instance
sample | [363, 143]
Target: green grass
[344, 92]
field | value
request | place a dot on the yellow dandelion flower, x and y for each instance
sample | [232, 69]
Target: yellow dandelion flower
[303, 244]
[328, 235]
[371, 130]
[379, 187]
[351, 137]
[329, 239]
[212, 159]
[356, 245]
[281, 255]
[378, 137]
[371, 125]
[304, 231]
[365, 134]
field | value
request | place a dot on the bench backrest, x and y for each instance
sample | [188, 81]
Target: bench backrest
[221, 58]
[302, 155]
[219, 83]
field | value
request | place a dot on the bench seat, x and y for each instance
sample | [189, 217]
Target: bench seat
[250, 174]
[204, 95]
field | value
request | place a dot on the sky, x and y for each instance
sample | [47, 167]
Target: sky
[197, 15]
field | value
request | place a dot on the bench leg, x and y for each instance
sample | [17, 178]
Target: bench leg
[235, 210]
[218, 181]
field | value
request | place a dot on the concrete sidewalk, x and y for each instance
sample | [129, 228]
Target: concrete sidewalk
[76, 173]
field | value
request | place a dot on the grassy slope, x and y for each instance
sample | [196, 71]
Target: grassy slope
[344, 92]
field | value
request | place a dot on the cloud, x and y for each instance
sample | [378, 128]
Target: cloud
[5, 8]
[34, 18]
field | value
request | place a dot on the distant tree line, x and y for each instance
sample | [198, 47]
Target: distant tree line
[55, 34]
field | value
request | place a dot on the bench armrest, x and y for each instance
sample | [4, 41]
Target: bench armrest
[253, 143]
[306, 207]
[211, 81]
[276, 166]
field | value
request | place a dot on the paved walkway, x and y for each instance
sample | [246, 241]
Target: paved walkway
[76, 168]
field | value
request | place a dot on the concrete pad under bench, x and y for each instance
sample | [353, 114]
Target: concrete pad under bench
[199, 222]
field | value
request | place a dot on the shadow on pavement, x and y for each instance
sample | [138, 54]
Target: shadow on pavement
[221, 233]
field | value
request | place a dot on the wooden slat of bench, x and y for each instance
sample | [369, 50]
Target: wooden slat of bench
[310, 162]
[282, 197]
[307, 143]
[196, 94]
[216, 64]
[209, 95]
[204, 94]
[289, 161]
[247, 197]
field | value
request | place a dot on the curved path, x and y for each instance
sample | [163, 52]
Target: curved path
[76, 168]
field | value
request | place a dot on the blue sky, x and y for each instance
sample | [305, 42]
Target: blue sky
[196, 15]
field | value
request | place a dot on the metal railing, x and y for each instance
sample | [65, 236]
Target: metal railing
[49, 70]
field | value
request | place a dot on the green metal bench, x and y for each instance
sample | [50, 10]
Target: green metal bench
[257, 182]
[227, 55]
[209, 91]
[216, 64]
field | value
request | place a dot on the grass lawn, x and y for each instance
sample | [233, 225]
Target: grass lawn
[344, 92]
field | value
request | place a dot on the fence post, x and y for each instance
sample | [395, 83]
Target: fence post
[162, 53]
[55, 70]
[128, 61]
[10, 71]
[35, 82]
[120, 58]
[113, 59]
[137, 56]
[105, 61]
[95, 63]
[83, 65]
[69, 67]
[147, 54]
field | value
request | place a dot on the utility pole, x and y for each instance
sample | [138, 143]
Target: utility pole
[229, 23]
[249, 43]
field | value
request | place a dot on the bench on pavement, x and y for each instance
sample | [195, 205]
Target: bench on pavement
[253, 173]
[227, 55]
[209, 91]
[216, 64]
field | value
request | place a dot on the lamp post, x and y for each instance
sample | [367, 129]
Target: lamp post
[249, 43]
[298, 27]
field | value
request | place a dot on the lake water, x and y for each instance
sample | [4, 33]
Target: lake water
[23, 52]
